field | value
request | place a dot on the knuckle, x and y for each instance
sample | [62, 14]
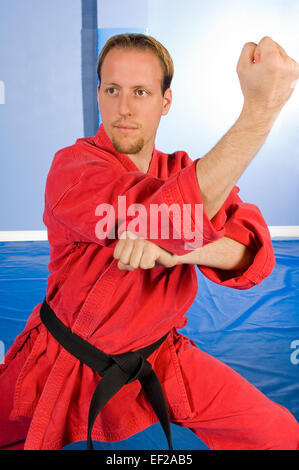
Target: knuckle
[131, 235]
[267, 39]
[147, 262]
[123, 235]
[129, 244]
[148, 248]
[249, 44]
[139, 242]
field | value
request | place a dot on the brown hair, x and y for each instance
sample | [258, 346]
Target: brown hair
[141, 42]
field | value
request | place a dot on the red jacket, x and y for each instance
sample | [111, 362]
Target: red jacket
[116, 310]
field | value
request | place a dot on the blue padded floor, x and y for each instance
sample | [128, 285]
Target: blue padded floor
[255, 331]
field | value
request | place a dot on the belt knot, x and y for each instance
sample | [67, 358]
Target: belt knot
[133, 364]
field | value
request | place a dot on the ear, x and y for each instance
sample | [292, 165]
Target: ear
[167, 100]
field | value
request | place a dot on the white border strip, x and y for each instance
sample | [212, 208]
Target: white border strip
[284, 231]
[23, 235]
[276, 232]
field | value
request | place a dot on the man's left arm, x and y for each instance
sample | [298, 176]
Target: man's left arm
[225, 253]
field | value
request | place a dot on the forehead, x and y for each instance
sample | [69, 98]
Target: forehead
[125, 66]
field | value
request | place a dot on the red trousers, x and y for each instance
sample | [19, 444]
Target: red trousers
[226, 412]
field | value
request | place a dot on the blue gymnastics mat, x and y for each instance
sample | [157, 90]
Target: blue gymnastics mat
[255, 331]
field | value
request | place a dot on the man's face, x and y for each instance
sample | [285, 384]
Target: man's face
[130, 95]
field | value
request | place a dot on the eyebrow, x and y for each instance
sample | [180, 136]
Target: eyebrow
[135, 86]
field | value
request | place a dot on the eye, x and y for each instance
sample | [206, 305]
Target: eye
[108, 90]
[141, 91]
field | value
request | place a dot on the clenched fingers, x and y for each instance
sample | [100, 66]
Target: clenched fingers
[123, 250]
[137, 253]
[133, 252]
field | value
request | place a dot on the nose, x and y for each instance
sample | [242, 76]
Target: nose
[125, 105]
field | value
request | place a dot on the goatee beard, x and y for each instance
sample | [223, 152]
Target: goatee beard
[132, 148]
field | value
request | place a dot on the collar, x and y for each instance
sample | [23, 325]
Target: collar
[102, 141]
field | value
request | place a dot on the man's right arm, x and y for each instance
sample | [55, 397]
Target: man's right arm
[267, 84]
[82, 179]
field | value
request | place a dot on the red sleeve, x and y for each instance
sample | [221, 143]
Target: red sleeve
[244, 223]
[77, 185]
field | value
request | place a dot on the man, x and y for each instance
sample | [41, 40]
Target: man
[120, 292]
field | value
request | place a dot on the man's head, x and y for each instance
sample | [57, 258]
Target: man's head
[135, 72]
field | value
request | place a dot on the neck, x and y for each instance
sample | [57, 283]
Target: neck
[141, 163]
[143, 159]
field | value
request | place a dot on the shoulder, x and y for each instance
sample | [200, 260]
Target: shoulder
[83, 151]
[82, 160]
[175, 161]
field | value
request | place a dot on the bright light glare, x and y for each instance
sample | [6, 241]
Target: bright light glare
[219, 96]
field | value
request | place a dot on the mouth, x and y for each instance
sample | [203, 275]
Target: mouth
[126, 129]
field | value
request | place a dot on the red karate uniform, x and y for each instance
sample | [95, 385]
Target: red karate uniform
[46, 392]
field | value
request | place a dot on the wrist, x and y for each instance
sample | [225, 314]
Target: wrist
[257, 117]
[176, 259]
[190, 258]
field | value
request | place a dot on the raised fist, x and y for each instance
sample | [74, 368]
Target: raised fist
[267, 75]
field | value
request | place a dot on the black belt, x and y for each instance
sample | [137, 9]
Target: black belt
[116, 370]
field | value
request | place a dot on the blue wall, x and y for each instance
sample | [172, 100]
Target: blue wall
[41, 47]
[40, 65]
